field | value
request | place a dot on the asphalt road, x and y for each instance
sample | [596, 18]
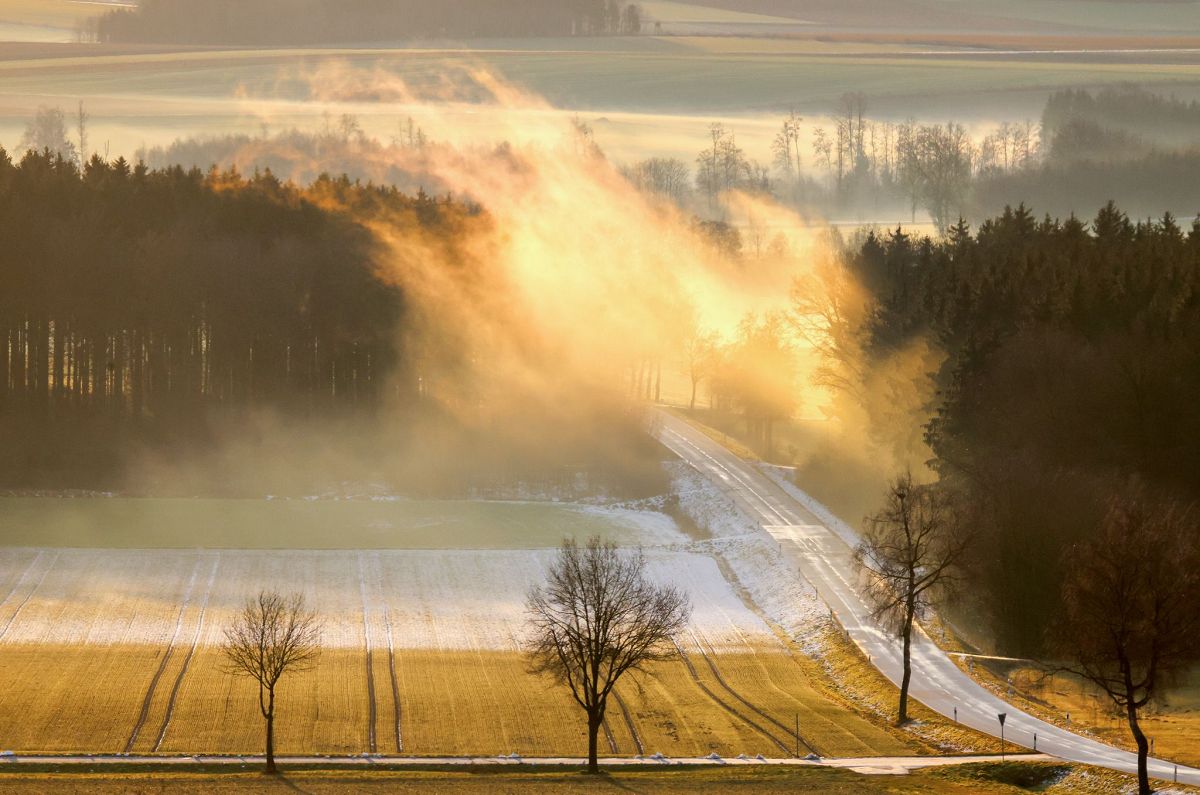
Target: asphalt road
[823, 557]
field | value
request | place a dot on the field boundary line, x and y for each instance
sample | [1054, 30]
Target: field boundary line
[371, 713]
[187, 660]
[166, 658]
[28, 596]
[719, 702]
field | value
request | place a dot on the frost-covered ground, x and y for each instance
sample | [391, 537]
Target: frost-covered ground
[425, 598]
[753, 558]
[434, 599]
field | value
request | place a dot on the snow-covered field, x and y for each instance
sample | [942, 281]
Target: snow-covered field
[433, 598]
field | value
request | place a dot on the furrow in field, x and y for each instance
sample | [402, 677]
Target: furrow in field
[29, 591]
[391, 652]
[628, 718]
[191, 652]
[166, 658]
[608, 736]
[716, 672]
[723, 704]
[22, 576]
[366, 622]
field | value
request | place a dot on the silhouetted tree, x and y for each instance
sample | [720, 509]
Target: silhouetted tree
[272, 636]
[1131, 607]
[598, 617]
[909, 553]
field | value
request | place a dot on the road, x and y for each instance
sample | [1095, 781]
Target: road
[823, 557]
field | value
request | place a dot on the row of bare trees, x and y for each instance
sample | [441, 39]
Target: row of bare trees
[597, 617]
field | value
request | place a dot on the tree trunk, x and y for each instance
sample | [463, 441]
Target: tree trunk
[594, 721]
[1143, 747]
[271, 736]
[902, 716]
[693, 406]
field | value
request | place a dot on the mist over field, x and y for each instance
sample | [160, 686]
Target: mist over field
[861, 338]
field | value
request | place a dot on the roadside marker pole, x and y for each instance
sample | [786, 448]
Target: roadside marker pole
[1002, 716]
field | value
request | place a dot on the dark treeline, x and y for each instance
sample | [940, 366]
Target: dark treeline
[144, 306]
[1073, 371]
[1135, 113]
[177, 331]
[324, 21]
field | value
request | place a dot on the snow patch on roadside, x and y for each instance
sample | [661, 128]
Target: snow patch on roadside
[780, 593]
[767, 579]
[706, 505]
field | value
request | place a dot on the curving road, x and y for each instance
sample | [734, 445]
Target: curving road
[823, 557]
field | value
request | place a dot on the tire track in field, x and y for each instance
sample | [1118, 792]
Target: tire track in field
[723, 705]
[24, 573]
[608, 735]
[712, 665]
[371, 716]
[166, 658]
[637, 740]
[187, 660]
[28, 596]
[387, 626]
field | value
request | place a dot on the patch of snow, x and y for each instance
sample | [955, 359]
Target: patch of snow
[772, 584]
[653, 527]
[425, 599]
[707, 505]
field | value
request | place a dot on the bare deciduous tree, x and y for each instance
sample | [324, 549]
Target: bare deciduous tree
[597, 617]
[81, 122]
[47, 130]
[910, 552]
[699, 352]
[1131, 607]
[273, 635]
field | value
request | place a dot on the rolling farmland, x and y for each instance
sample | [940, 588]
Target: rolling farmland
[116, 650]
[681, 84]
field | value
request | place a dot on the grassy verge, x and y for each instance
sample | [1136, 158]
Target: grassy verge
[976, 778]
[1174, 725]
